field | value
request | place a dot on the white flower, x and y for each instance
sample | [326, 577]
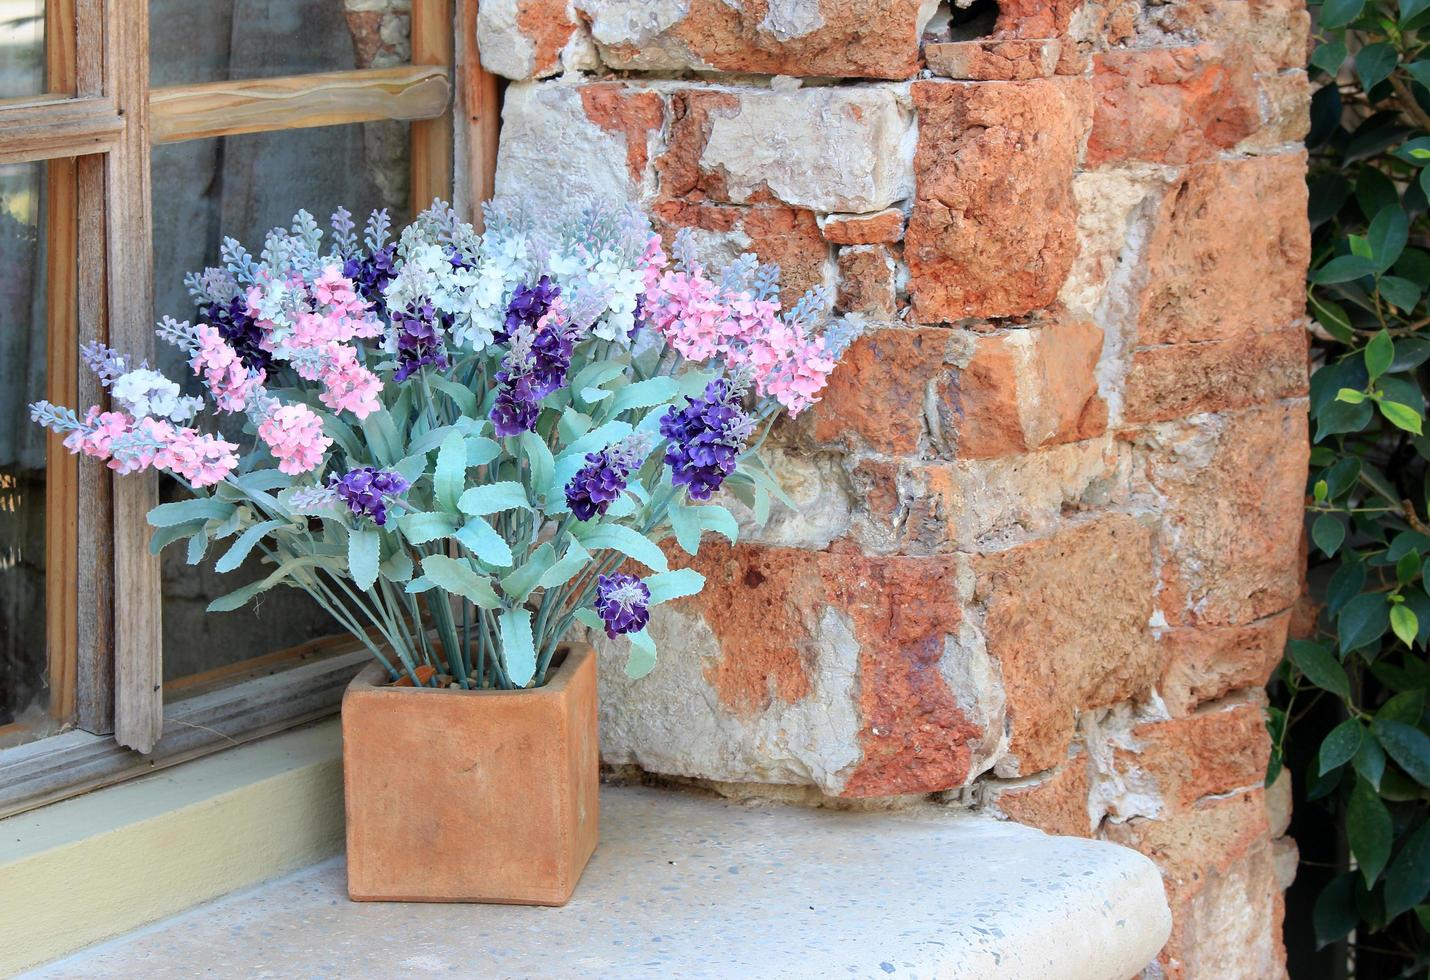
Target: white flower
[148, 393]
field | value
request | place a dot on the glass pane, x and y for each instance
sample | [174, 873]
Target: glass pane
[223, 40]
[241, 186]
[22, 48]
[23, 658]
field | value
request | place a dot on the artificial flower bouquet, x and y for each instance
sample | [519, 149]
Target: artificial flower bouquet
[460, 444]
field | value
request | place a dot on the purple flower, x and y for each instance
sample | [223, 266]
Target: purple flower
[241, 331]
[551, 356]
[418, 344]
[516, 407]
[597, 484]
[706, 438]
[371, 274]
[528, 304]
[623, 602]
[366, 490]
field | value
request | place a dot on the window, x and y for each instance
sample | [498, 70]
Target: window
[131, 134]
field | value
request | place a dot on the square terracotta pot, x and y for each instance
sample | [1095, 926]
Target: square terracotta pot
[471, 796]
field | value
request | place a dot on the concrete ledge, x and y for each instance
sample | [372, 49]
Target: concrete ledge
[84, 870]
[692, 886]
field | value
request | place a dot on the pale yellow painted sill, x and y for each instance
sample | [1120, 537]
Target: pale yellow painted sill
[88, 869]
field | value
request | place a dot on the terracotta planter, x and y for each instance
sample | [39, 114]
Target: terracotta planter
[471, 796]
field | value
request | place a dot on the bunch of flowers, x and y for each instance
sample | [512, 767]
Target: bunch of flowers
[506, 420]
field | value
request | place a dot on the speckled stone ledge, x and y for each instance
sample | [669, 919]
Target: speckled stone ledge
[685, 885]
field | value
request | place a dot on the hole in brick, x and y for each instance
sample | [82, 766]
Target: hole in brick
[754, 578]
[962, 21]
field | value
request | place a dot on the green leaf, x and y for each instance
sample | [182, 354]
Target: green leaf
[364, 549]
[1406, 707]
[1408, 880]
[1330, 56]
[674, 585]
[575, 559]
[482, 540]
[1345, 584]
[238, 597]
[464, 398]
[421, 527]
[492, 498]
[543, 465]
[456, 576]
[1335, 914]
[519, 582]
[1333, 317]
[1339, 13]
[1399, 293]
[194, 509]
[451, 474]
[1351, 396]
[1375, 62]
[1408, 567]
[382, 436]
[1328, 532]
[1404, 624]
[235, 555]
[1342, 268]
[1409, 747]
[1320, 668]
[518, 650]
[645, 394]
[1338, 417]
[642, 658]
[1363, 621]
[627, 541]
[1340, 745]
[1368, 830]
[1379, 354]
[1370, 762]
[1401, 416]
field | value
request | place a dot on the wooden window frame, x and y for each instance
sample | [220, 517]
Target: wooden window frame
[103, 594]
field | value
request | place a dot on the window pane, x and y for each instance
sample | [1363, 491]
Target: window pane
[241, 186]
[23, 657]
[22, 48]
[224, 40]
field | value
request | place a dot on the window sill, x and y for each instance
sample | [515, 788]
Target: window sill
[101, 865]
[689, 885]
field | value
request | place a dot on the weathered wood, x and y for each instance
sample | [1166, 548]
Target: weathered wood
[431, 139]
[187, 112]
[94, 687]
[479, 95]
[76, 762]
[57, 126]
[61, 468]
[138, 709]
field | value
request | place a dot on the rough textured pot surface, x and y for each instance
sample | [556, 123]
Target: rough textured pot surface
[471, 796]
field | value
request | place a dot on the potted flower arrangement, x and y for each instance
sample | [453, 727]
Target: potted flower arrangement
[465, 446]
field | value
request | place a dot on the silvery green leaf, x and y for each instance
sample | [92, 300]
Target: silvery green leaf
[575, 559]
[195, 509]
[596, 374]
[518, 650]
[451, 474]
[587, 616]
[238, 597]
[382, 436]
[239, 550]
[597, 439]
[364, 549]
[674, 584]
[538, 455]
[418, 585]
[645, 394]
[627, 541]
[686, 525]
[455, 575]
[397, 568]
[492, 498]
[198, 544]
[481, 450]
[483, 541]
[519, 582]
[573, 425]
[463, 398]
[165, 536]
[422, 527]
[412, 468]
[642, 658]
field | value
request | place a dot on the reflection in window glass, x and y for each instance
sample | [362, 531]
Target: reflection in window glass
[226, 40]
[23, 659]
[242, 186]
[22, 48]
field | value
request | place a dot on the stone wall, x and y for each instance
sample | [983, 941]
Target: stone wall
[1051, 502]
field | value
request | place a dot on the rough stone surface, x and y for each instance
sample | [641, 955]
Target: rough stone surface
[1085, 592]
[686, 885]
[994, 61]
[989, 156]
[1206, 662]
[880, 228]
[866, 281]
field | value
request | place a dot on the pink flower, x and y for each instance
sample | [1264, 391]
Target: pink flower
[331, 288]
[202, 460]
[688, 313]
[227, 377]
[294, 434]
[139, 447]
[651, 263]
[347, 384]
[99, 432]
[794, 375]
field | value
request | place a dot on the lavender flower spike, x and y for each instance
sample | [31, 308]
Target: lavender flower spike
[706, 439]
[623, 602]
[603, 479]
[367, 491]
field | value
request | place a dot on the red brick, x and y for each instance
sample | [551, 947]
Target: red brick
[634, 115]
[1055, 803]
[788, 237]
[1212, 752]
[993, 228]
[994, 61]
[1066, 620]
[1169, 105]
[882, 228]
[1204, 663]
[1227, 252]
